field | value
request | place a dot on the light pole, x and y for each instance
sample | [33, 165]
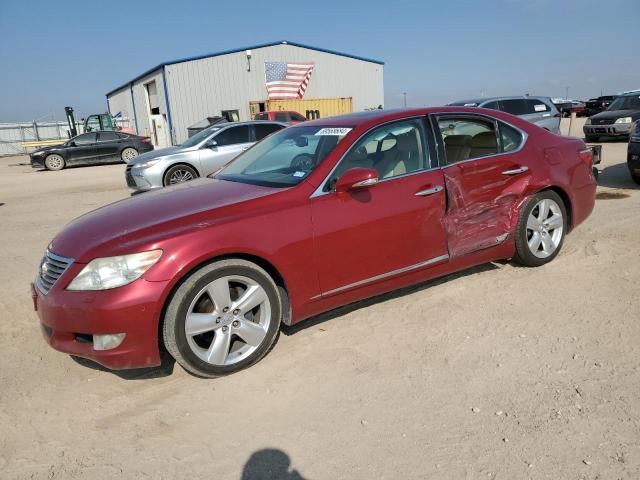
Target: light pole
[566, 92]
[404, 94]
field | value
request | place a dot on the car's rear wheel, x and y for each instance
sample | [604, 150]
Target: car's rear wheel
[541, 229]
[225, 317]
[179, 174]
[54, 162]
[128, 154]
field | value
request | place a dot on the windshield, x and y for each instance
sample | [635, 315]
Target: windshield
[630, 102]
[285, 158]
[199, 137]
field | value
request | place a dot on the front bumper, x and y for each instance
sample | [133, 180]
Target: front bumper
[70, 319]
[37, 161]
[138, 179]
[613, 129]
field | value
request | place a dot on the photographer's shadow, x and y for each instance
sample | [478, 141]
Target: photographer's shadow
[270, 464]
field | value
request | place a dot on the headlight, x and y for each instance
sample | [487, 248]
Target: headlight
[588, 122]
[112, 272]
[624, 120]
[149, 163]
[39, 152]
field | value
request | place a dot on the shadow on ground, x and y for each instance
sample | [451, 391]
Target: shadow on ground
[338, 312]
[164, 370]
[269, 464]
[616, 176]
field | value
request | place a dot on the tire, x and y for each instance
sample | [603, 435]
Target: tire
[128, 154]
[178, 174]
[54, 162]
[591, 138]
[536, 242]
[635, 177]
[222, 339]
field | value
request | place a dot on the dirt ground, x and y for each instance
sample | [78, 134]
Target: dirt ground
[499, 372]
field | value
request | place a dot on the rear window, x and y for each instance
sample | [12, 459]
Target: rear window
[262, 116]
[536, 106]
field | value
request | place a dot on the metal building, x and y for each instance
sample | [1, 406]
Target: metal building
[165, 100]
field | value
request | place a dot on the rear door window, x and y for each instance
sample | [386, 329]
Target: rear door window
[466, 138]
[510, 138]
[234, 135]
[514, 106]
[108, 137]
[85, 139]
[262, 130]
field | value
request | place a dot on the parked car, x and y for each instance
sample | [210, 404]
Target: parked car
[198, 156]
[615, 121]
[633, 153]
[578, 108]
[315, 216]
[538, 110]
[599, 104]
[90, 149]
[281, 116]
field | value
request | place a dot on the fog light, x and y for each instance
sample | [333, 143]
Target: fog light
[107, 342]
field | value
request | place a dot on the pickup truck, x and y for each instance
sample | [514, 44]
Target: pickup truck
[281, 116]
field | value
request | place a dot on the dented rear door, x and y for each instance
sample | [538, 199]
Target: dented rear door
[482, 194]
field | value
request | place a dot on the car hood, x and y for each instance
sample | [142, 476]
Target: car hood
[163, 152]
[145, 219]
[614, 114]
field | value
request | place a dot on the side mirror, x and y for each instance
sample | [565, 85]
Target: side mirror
[212, 144]
[72, 144]
[356, 179]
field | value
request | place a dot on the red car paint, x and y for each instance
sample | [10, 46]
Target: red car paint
[321, 247]
[287, 116]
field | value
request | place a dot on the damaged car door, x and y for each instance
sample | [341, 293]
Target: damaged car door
[485, 174]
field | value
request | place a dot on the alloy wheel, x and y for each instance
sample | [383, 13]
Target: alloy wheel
[54, 162]
[228, 320]
[545, 226]
[179, 176]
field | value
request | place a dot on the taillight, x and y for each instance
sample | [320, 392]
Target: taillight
[146, 140]
[586, 155]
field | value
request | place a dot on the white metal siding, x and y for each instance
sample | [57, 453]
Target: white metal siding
[205, 87]
[120, 101]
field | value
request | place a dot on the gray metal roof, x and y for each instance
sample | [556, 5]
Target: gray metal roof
[236, 50]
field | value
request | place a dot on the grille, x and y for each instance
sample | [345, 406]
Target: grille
[130, 181]
[607, 121]
[51, 268]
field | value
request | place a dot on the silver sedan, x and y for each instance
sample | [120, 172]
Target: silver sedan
[198, 156]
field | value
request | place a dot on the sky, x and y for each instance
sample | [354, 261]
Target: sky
[54, 54]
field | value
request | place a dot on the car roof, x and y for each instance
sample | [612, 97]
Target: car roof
[375, 117]
[478, 101]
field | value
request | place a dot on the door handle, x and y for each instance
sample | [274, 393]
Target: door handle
[245, 148]
[429, 191]
[515, 171]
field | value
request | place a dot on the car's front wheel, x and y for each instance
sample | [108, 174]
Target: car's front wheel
[179, 174]
[541, 229]
[223, 318]
[54, 162]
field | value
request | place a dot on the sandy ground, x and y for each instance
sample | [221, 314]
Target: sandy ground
[500, 372]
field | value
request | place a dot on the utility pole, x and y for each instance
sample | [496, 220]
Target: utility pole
[566, 92]
[405, 99]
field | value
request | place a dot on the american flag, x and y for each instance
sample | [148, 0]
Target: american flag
[287, 80]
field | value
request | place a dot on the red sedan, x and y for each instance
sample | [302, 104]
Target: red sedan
[315, 216]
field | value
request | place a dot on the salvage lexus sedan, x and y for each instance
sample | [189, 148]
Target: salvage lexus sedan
[198, 156]
[318, 215]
